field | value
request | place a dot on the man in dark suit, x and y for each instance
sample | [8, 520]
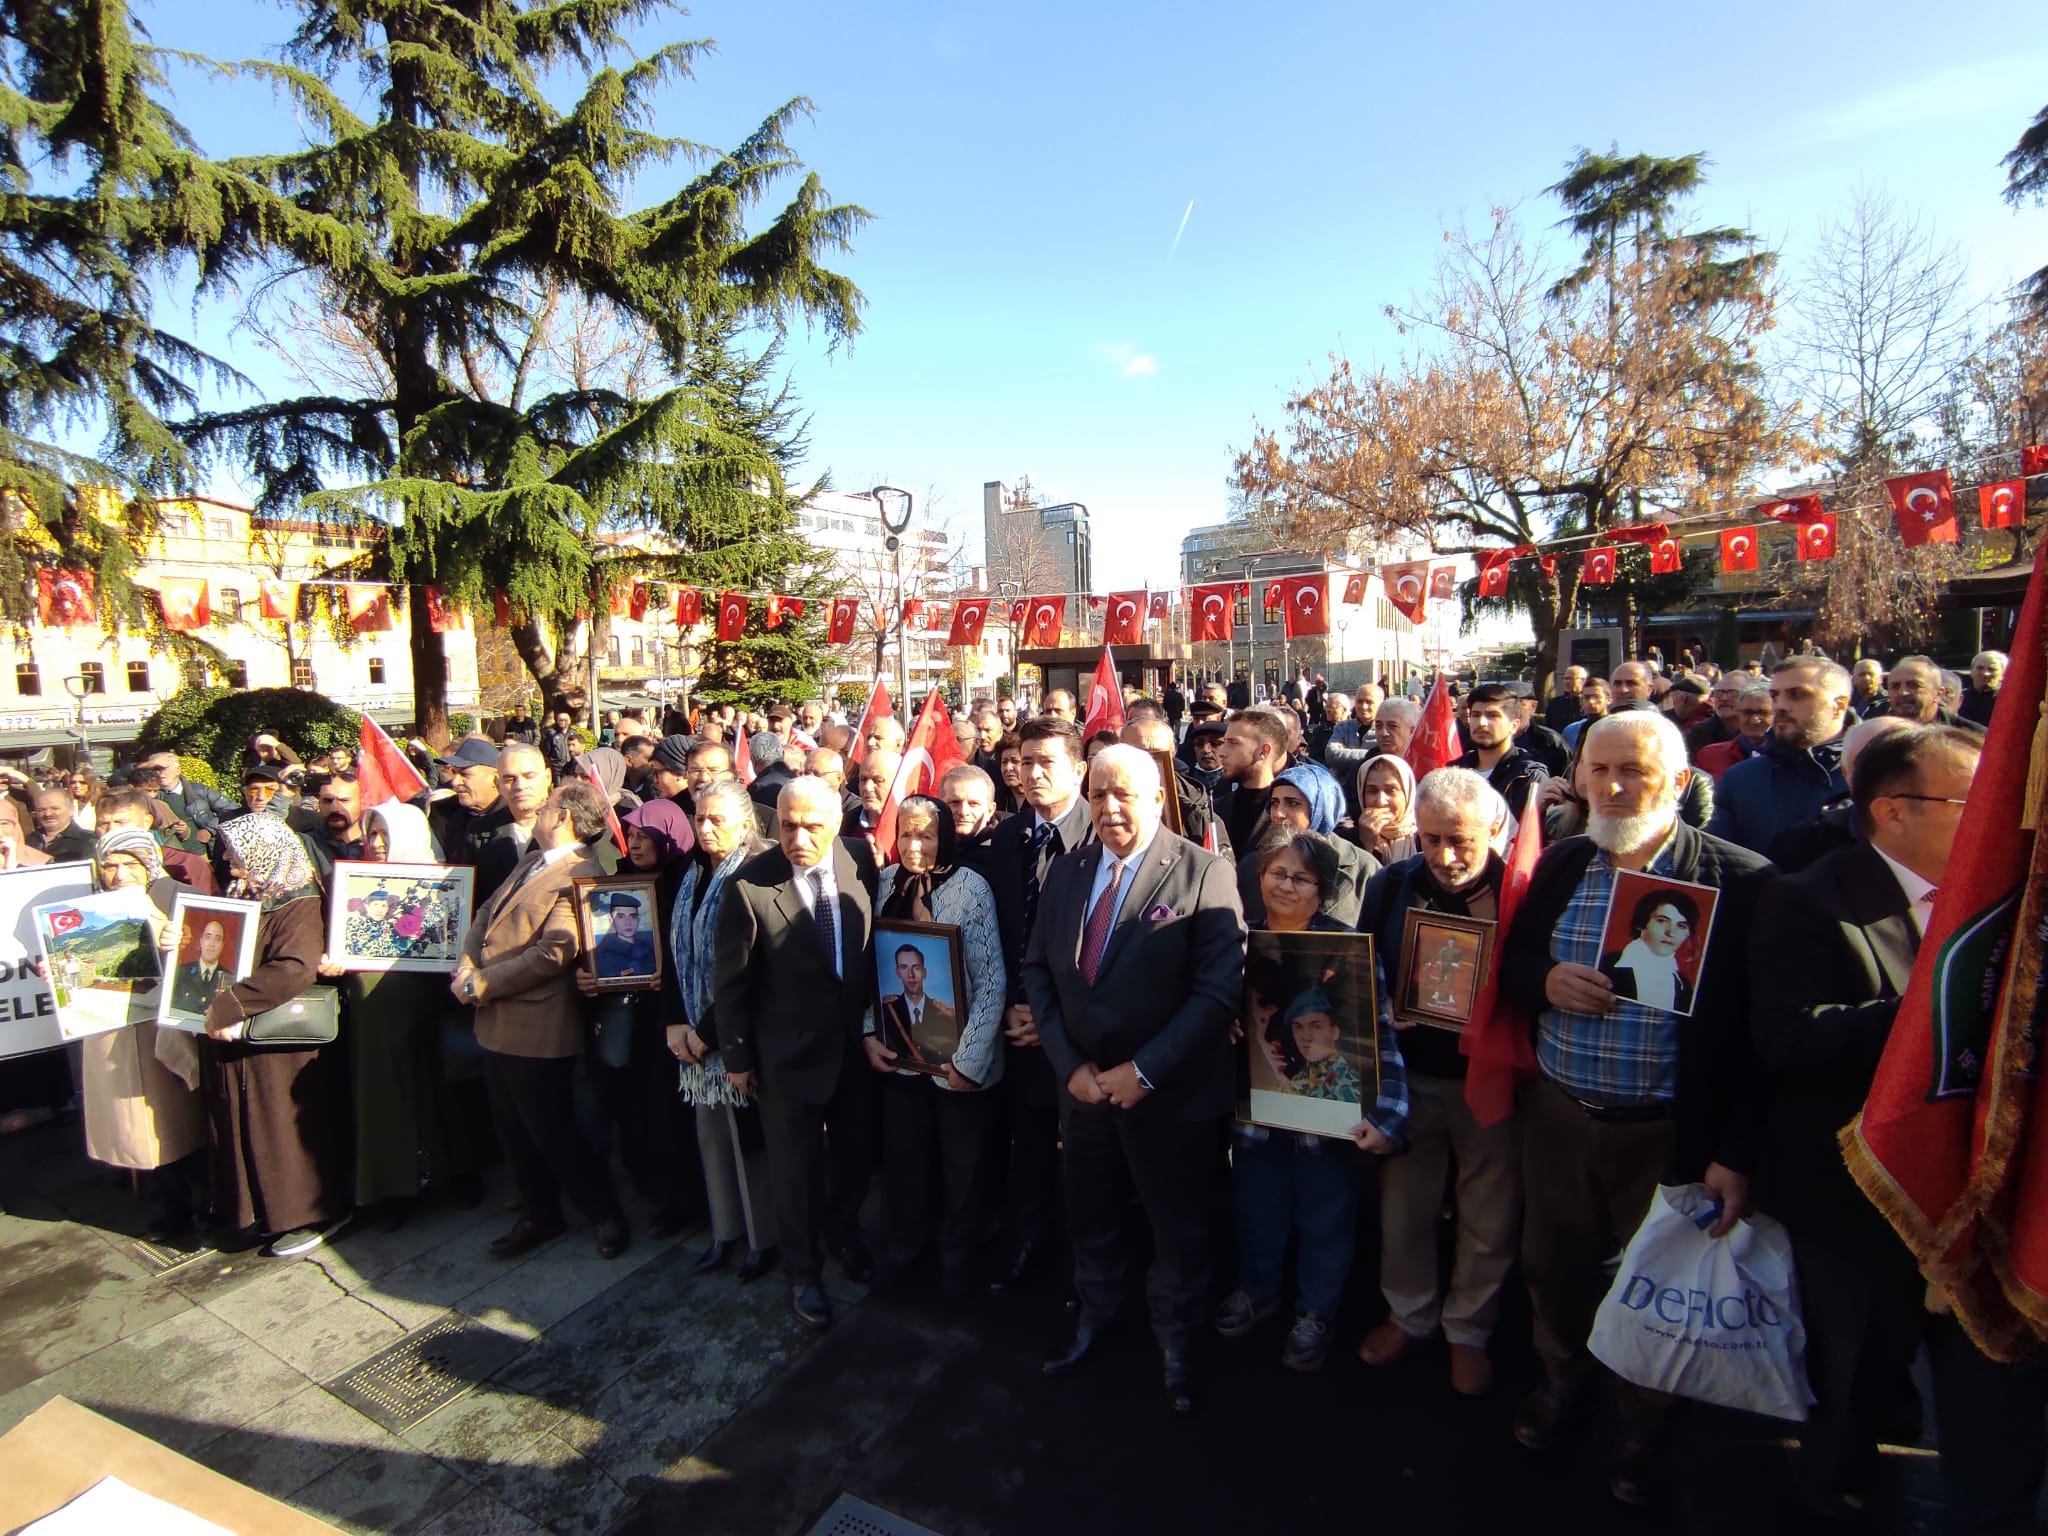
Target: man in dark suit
[1135, 972]
[791, 981]
[1053, 821]
[1830, 955]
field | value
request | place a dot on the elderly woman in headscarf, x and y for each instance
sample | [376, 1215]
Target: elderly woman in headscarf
[729, 1142]
[273, 1111]
[606, 767]
[630, 1059]
[140, 1085]
[1304, 798]
[1385, 824]
[935, 1122]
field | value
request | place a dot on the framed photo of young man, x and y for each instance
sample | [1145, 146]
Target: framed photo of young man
[1654, 941]
[617, 920]
[215, 948]
[1444, 965]
[920, 992]
[398, 917]
[1309, 1059]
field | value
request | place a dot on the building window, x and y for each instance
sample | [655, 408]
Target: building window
[639, 652]
[238, 675]
[302, 673]
[1272, 608]
[28, 679]
[219, 526]
[229, 609]
[95, 676]
[612, 649]
[1241, 612]
[138, 677]
[376, 670]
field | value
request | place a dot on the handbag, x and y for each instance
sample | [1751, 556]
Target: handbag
[311, 1018]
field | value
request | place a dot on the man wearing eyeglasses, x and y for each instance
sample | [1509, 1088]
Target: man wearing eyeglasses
[1831, 952]
[1799, 769]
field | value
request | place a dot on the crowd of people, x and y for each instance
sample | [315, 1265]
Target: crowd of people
[1084, 1125]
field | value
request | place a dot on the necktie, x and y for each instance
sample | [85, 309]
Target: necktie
[822, 915]
[1034, 850]
[1095, 937]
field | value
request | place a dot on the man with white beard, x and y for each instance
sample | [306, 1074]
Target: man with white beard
[1627, 1096]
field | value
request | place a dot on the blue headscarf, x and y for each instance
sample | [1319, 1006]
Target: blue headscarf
[1325, 799]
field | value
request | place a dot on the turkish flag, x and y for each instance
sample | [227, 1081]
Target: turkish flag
[184, 602]
[1738, 549]
[1124, 624]
[65, 921]
[1443, 581]
[1209, 613]
[934, 616]
[622, 600]
[1435, 742]
[281, 599]
[1493, 572]
[1925, 506]
[1665, 557]
[1094, 604]
[1816, 537]
[1105, 699]
[880, 707]
[440, 611]
[2003, 505]
[1549, 565]
[969, 615]
[780, 608]
[1649, 535]
[689, 606]
[1305, 605]
[1354, 587]
[64, 599]
[1791, 509]
[845, 614]
[732, 615]
[1498, 1044]
[911, 608]
[930, 751]
[384, 772]
[1019, 609]
[637, 601]
[1042, 623]
[369, 607]
[2034, 459]
[1408, 588]
[1599, 568]
[1156, 606]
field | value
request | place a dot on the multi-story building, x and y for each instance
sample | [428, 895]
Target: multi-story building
[120, 681]
[1032, 548]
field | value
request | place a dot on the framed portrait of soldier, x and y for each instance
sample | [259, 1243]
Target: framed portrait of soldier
[619, 923]
[920, 992]
[1170, 812]
[1309, 1058]
[398, 917]
[1445, 961]
[215, 948]
[1653, 945]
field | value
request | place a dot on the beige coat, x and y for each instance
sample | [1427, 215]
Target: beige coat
[523, 943]
[138, 1114]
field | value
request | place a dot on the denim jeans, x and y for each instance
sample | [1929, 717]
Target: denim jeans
[1307, 1186]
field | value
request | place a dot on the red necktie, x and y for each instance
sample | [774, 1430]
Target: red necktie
[1095, 937]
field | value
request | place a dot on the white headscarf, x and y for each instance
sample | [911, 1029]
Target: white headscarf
[406, 832]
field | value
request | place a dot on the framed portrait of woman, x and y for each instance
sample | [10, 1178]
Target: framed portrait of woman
[1309, 1056]
[1653, 944]
[1445, 960]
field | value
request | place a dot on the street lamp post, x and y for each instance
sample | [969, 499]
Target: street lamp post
[78, 687]
[892, 540]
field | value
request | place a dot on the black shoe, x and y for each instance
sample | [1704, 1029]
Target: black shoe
[525, 1236]
[667, 1225]
[714, 1257]
[1550, 1416]
[613, 1238]
[812, 1307]
[1077, 1350]
[1642, 1471]
[1180, 1383]
[466, 1191]
[756, 1264]
[1018, 1274]
[855, 1263]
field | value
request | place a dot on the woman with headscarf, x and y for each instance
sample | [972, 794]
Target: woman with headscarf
[606, 767]
[272, 1110]
[943, 1119]
[1385, 824]
[729, 1142]
[630, 1059]
[1305, 798]
[140, 1085]
[409, 1129]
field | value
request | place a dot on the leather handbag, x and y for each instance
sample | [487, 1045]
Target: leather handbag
[311, 1018]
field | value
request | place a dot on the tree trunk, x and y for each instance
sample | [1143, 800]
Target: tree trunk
[561, 679]
[429, 671]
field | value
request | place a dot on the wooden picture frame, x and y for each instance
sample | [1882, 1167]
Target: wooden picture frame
[929, 1045]
[419, 923]
[1309, 1059]
[1169, 781]
[620, 962]
[183, 1003]
[1445, 961]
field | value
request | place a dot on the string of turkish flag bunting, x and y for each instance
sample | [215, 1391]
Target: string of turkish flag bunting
[1924, 505]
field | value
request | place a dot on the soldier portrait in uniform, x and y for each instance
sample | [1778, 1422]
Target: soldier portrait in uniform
[619, 922]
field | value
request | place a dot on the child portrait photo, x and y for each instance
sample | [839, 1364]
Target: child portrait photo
[1309, 1057]
[398, 917]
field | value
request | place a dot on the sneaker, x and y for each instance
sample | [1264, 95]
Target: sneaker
[289, 1245]
[1239, 1314]
[1308, 1344]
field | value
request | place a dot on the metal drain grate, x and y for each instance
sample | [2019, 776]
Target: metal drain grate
[162, 1258]
[425, 1371]
[849, 1516]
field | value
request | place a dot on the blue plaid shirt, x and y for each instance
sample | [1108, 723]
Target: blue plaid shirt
[1627, 1056]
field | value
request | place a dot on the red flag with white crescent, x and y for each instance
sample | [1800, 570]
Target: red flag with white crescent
[1209, 613]
[912, 607]
[2003, 505]
[1493, 572]
[689, 606]
[185, 602]
[1354, 587]
[929, 752]
[1307, 610]
[845, 614]
[1738, 549]
[1665, 556]
[970, 614]
[66, 920]
[1925, 506]
[1156, 606]
[1019, 611]
[1105, 699]
[1791, 509]
[1042, 623]
[440, 610]
[880, 707]
[732, 615]
[1443, 582]
[1435, 742]
[384, 772]
[2034, 459]
[369, 607]
[1124, 622]
[281, 600]
[780, 608]
[1816, 537]
[1407, 587]
[636, 601]
[1599, 567]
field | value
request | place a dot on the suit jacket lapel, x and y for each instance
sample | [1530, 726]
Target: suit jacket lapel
[851, 914]
[1145, 882]
[1874, 901]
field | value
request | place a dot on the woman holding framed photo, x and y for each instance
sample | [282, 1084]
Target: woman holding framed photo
[1304, 798]
[937, 1117]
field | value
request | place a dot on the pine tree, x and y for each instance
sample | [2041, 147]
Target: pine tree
[428, 226]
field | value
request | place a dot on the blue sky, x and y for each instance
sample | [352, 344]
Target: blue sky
[1028, 167]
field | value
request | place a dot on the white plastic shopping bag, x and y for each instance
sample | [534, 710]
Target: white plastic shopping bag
[1715, 1319]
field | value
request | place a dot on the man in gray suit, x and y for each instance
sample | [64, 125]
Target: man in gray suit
[1135, 970]
[792, 976]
